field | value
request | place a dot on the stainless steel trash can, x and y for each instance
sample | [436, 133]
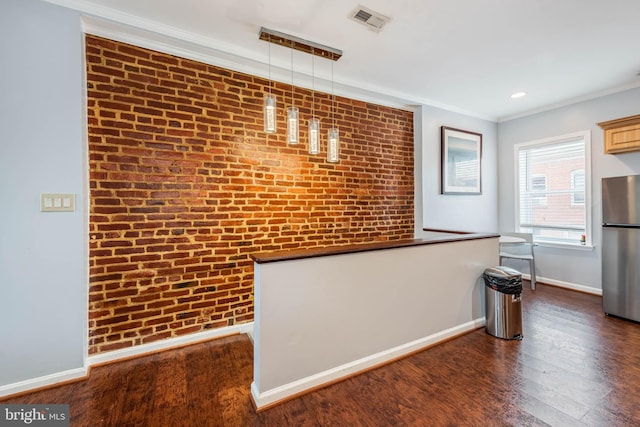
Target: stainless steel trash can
[503, 302]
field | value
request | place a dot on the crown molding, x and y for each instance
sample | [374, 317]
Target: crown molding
[571, 101]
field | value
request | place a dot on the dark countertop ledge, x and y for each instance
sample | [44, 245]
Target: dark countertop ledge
[445, 237]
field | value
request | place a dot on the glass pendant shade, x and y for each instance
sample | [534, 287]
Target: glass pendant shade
[293, 128]
[314, 135]
[270, 113]
[333, 145]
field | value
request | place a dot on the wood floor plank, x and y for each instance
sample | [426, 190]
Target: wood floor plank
[575, 366]
[340, 404]
[142, 383]
[104, 396]
[544, 412]
[292, 413]
[201, 387]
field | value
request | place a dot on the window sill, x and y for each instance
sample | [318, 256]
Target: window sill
[570, 246]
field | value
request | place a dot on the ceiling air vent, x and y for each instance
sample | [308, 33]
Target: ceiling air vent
[369, 18]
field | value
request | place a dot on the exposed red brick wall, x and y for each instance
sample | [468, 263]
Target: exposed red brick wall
[185, 185]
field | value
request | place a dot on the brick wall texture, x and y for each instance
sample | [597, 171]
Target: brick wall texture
[185, 185]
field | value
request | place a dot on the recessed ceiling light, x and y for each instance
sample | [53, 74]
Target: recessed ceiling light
[518, 95]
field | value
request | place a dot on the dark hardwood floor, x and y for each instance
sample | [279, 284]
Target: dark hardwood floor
[574, 367]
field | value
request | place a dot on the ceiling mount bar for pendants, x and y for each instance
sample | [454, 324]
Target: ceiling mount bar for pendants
[297, 43]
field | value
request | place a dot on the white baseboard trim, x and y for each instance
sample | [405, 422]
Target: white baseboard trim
[270, 397]
[140, 350]
[44, 381]
[566, 285]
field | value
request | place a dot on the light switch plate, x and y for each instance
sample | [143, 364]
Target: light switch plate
[50, 202]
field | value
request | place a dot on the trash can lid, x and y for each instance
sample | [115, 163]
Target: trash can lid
[501, 271]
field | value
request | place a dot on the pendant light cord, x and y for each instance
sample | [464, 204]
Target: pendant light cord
[313, 84]
[292, 74]
[269, 64]
[333, 100]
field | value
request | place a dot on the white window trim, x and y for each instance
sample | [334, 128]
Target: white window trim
[586, 134]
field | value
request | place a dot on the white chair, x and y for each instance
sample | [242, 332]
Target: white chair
[522, 250]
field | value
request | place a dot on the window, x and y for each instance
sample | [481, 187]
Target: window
[577, 185]
[538, 188]
[553, 201]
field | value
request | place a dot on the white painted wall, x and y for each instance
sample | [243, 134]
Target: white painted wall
[43, 256]
[477, 213]
[319, 319]
[566, 265]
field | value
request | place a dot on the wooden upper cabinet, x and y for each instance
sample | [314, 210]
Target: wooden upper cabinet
[621, 135]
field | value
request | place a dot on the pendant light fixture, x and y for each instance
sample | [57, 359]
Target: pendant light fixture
[270, 122]
[293, 128]
[333, 135]
[314, 122]
[293, 122]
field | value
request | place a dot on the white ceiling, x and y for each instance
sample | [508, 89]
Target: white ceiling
[466, 55]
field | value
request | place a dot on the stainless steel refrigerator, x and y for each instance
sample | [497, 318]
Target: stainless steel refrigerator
[621, 246]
